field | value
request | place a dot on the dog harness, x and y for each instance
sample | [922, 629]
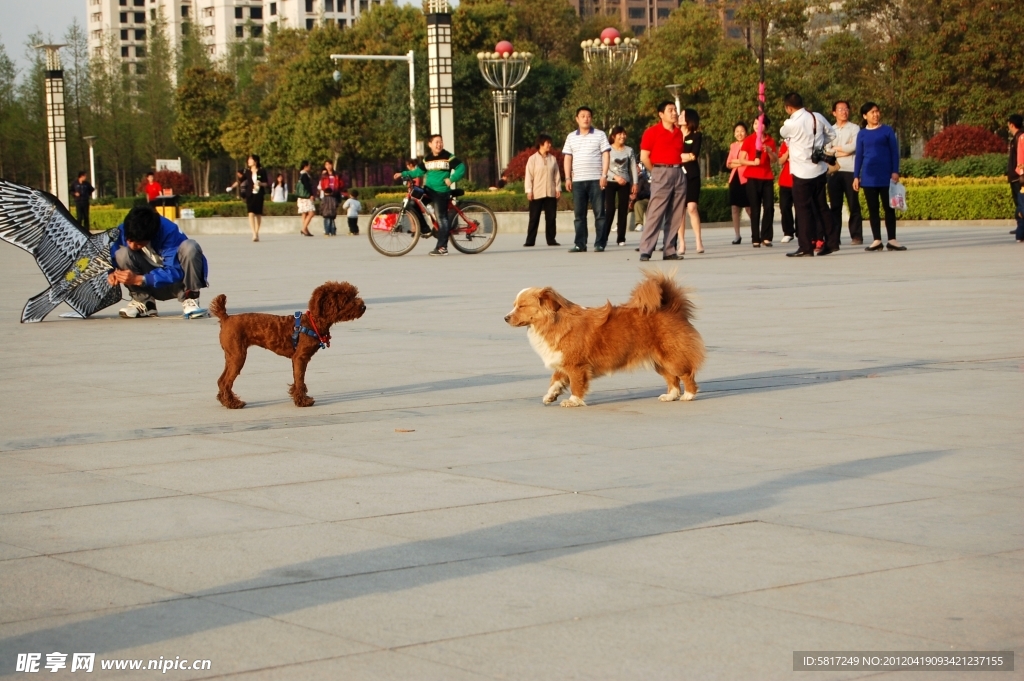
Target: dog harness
[325, 341]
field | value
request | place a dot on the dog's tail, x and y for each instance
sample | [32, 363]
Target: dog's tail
[218, 307]
[659, 292]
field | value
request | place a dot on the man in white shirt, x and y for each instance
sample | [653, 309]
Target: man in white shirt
[803, 132]
[587, 154]
[840, 182]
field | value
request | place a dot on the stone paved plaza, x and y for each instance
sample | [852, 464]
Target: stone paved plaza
[849, 478]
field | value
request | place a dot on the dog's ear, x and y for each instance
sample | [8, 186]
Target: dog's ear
[549, 299]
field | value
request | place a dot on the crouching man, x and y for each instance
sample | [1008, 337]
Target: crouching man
[156, 261]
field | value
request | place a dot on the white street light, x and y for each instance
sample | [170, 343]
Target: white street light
[408, 57]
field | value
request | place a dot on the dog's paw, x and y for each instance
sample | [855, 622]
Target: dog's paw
[688, 397]
[231, 402]
[670, 396]
[304, 401]
[574, 402]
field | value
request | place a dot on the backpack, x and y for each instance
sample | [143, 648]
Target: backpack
[302, 191]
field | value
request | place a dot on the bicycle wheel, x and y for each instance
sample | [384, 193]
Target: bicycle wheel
[394, 231]
[474, 232]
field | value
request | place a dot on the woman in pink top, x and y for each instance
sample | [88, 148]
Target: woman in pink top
[737, 179]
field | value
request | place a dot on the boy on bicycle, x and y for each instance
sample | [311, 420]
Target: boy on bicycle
[441, 169]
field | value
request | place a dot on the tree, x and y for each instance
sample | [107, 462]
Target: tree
[200, 101]
[115, 116]
[75, 60]
[156, 93]
[8, 111]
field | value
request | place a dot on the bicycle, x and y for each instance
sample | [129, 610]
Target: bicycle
[396, 228]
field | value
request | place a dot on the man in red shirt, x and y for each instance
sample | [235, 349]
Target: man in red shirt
[152, 188]
[661, 152]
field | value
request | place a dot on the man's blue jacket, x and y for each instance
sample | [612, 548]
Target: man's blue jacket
[165, 244]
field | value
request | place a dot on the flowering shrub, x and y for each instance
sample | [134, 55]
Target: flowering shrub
[516, 170]
[958, 141]
[168, 179]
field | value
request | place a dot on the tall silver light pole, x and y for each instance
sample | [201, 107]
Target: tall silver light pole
[56, 135]
[91, 139]
[504, 70]
[439, 72]
[674, 91]
[408, 57]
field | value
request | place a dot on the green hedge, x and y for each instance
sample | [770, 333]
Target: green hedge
[957, 202]
[976, 199]
[984, 165]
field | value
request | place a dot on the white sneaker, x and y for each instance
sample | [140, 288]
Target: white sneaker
[190, 309]
[786, 239]
[638, 228]
[137, 308]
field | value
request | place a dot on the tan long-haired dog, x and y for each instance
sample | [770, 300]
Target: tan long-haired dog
[330, 303]
[652, 330]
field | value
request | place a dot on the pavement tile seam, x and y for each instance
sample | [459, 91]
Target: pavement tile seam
[298, 665]
[410, 648]
[160, 497]
[381, 414]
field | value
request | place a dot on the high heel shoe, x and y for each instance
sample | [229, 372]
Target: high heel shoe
[879, 247]
[737, 240]
[890, 247]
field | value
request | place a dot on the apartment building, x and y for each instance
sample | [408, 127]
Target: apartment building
[639, 15]
[217, 23]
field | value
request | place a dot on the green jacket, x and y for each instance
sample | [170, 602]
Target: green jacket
[437, 168]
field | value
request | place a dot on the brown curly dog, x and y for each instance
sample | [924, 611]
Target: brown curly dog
[330, 303]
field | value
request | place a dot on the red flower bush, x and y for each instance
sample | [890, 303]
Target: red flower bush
[516, 171]
[958, 141]
[168, 179]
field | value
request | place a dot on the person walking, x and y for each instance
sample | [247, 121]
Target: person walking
[305, 193]
[738, 200]
[81, 192]
[279, 192]
[692, 138]
[329, 208]
[543, 187]
[807, 134]
[876, 166]
[586, 153]
[786, 195]
[1014, 168]
[760, 183]
[622, 186]
[840, 182]
[661, 152]
[352, 206]
[256, 182]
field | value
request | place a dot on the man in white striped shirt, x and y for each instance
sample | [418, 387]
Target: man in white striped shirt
[587, 154]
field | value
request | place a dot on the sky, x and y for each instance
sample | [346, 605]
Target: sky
[51, 17]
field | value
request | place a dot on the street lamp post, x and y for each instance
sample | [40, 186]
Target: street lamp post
[56, 135]
[504, 70]
[91, 139]
[407, 57]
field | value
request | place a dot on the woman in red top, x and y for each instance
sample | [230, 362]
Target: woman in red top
[786, 195]
[760, 184]
[738, 200]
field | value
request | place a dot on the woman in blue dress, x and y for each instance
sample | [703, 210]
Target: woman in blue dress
[877, 165]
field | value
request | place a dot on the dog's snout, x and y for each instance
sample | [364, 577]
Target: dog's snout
[362, 307]
[508, 317]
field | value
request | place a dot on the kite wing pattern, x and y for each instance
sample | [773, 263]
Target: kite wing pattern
[71, 259]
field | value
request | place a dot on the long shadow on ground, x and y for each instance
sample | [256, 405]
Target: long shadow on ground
[415, 564]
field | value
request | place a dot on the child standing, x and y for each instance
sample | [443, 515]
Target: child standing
[353, 206]
[329, 209]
